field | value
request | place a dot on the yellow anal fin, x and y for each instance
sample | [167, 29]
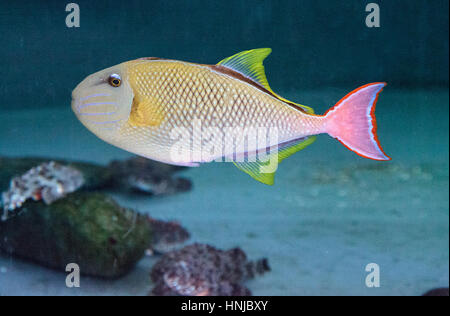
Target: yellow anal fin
[264, 171]
[145, 112]
[249, 63]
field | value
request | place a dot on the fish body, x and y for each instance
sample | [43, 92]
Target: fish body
[185, 113]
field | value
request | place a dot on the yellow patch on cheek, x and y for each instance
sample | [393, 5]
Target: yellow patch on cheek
[145, 112]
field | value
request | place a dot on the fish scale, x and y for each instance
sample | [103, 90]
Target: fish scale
[185, 92]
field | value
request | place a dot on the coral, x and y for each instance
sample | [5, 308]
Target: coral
[166, 235]
[88, 229]
[135, 174]
[49, 182]
[95, 176]
[83, 227]
[200, 269]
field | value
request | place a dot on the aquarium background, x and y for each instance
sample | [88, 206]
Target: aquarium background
[330, 212]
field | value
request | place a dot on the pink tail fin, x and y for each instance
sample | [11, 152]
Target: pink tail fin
[352, 121]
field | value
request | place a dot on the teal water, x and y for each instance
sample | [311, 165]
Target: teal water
[330, 212]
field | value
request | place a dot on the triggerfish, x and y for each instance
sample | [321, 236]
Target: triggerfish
[185, 113]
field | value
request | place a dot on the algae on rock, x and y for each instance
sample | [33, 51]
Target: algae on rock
[89, 229]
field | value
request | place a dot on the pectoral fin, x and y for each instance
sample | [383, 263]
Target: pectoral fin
[145, 112]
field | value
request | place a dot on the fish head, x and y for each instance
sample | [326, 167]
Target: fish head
[102, 101]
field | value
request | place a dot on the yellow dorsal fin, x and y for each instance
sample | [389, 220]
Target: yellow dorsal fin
[249, 63]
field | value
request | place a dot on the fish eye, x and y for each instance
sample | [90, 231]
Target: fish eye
[115, 80]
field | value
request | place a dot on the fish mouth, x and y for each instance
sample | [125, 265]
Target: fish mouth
[74, 105]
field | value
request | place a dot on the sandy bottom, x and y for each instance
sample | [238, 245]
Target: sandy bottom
[329, 214]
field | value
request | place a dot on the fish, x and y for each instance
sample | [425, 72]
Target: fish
[186, 114]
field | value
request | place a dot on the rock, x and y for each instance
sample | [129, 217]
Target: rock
[167, 236]
[88, 229]
[49, 182]
[95, 176]
[443, 291]
[202, 270]
[136, 174]
[147, 176]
